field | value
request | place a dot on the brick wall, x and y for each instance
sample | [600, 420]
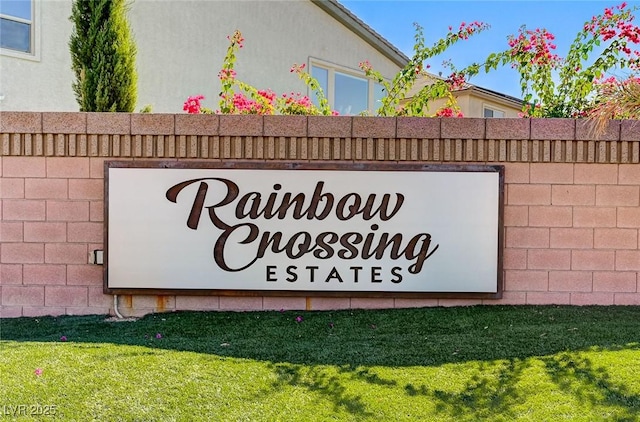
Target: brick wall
[572, 203]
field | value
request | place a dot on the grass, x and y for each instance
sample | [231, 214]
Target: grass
[495, 363]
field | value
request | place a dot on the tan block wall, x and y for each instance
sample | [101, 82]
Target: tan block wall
[572, 203]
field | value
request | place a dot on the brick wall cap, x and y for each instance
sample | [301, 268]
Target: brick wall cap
[373, 127]
[465, 128]
[508, 128]
[630, 130]
[330, 126]
[64, 122]
[285, 126]
[418, 127]
[197, 124]
[585, 131]
[241, 125]
[20, 122]
[152, 124]
[553, 129]
[109, 123]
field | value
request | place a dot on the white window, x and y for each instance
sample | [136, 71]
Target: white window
[349, 92]
[17, 27]
[491, 112]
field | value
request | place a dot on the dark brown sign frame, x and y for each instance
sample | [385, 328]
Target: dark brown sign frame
[296, 165]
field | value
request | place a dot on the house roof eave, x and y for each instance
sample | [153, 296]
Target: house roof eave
[334, 9]
[493, 95]
[357, 26]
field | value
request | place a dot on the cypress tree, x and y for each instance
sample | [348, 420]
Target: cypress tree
[103, 56]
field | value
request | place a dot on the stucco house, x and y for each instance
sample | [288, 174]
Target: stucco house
[476, 101]
[473, 100]
[181, 45]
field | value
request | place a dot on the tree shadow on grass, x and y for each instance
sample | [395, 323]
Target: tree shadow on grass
[331, 383]
[366, 375]
[592, 386]
[490, 393]
[494, 391]
[318, 380]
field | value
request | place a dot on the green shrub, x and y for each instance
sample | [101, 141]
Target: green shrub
[103, 56]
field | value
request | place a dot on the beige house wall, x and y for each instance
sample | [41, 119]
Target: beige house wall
[181, 46]
[571, 217]
[42, 82]
[474, 105]
[472, 100]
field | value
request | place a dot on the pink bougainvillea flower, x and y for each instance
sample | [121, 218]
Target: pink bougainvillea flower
[236, 38]
[158, 335]
[63, 338]
[192, 105]
[456, 81]
[448, 112]
[38, 372]
[365, 66]
[297, 68]
[225, 74]
[299, 318]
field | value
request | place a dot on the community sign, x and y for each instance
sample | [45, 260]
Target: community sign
[303, 229]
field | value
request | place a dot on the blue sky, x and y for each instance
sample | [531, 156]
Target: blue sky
[394, 21]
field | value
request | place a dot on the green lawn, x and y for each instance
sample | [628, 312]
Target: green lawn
[495, 363]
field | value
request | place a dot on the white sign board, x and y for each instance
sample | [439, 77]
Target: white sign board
[304, 230]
